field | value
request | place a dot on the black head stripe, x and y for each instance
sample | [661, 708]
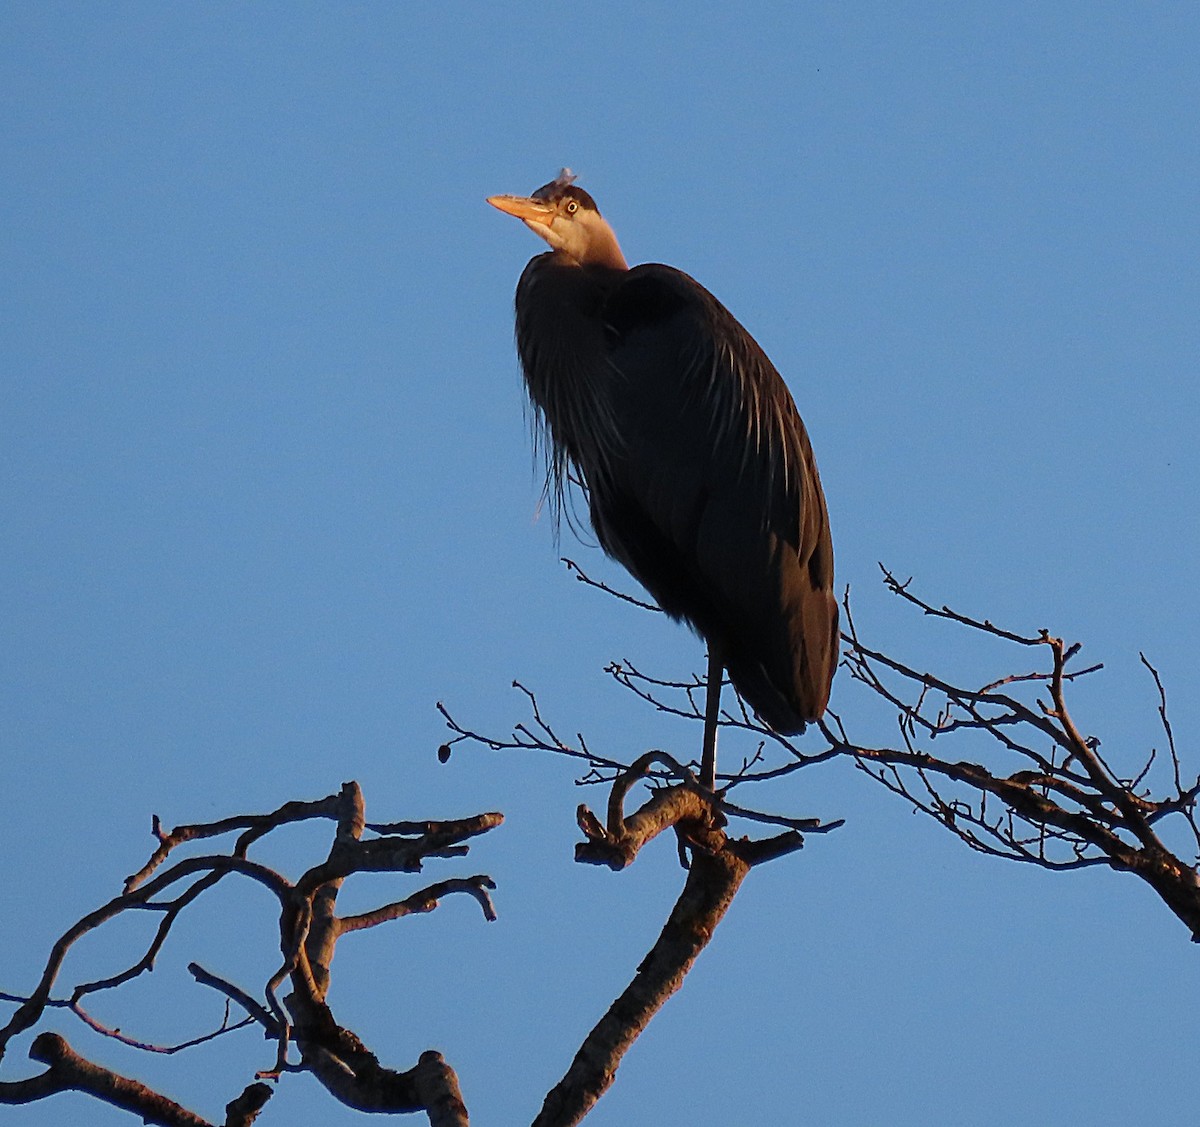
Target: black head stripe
[557, 190]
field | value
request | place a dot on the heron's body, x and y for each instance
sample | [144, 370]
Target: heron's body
[699, 473]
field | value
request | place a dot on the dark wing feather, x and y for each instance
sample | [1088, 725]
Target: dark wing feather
[710, 494]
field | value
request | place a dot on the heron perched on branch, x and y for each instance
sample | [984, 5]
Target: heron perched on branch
[699, 474]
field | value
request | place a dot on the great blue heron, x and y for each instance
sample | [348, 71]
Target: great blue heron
[699, 474]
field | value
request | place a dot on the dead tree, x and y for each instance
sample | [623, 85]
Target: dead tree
[1041, 793]
[307, 1036]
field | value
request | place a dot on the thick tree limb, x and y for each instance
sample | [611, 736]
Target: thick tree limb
[69, 1072]
[707, 894]
[718, 865]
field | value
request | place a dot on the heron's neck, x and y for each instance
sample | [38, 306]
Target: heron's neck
[605, 251]
[602, 249]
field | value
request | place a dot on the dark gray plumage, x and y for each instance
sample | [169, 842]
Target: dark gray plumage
[699, 474]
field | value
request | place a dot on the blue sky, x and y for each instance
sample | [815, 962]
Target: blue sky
[268, 495]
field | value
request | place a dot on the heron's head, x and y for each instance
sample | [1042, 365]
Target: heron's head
[568, 219]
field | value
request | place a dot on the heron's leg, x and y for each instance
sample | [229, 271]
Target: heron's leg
[712, 710]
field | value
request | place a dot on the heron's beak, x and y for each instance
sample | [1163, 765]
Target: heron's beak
[530, 210]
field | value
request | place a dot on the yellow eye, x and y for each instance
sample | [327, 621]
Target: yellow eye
[572, 207]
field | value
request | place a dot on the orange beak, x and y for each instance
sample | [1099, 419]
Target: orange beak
[525, 208]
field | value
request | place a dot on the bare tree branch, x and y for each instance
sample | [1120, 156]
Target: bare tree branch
[1062, 808]
[69, 1072]
[309, 929]
[588, 581]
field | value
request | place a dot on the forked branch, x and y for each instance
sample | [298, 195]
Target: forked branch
[717, 865]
